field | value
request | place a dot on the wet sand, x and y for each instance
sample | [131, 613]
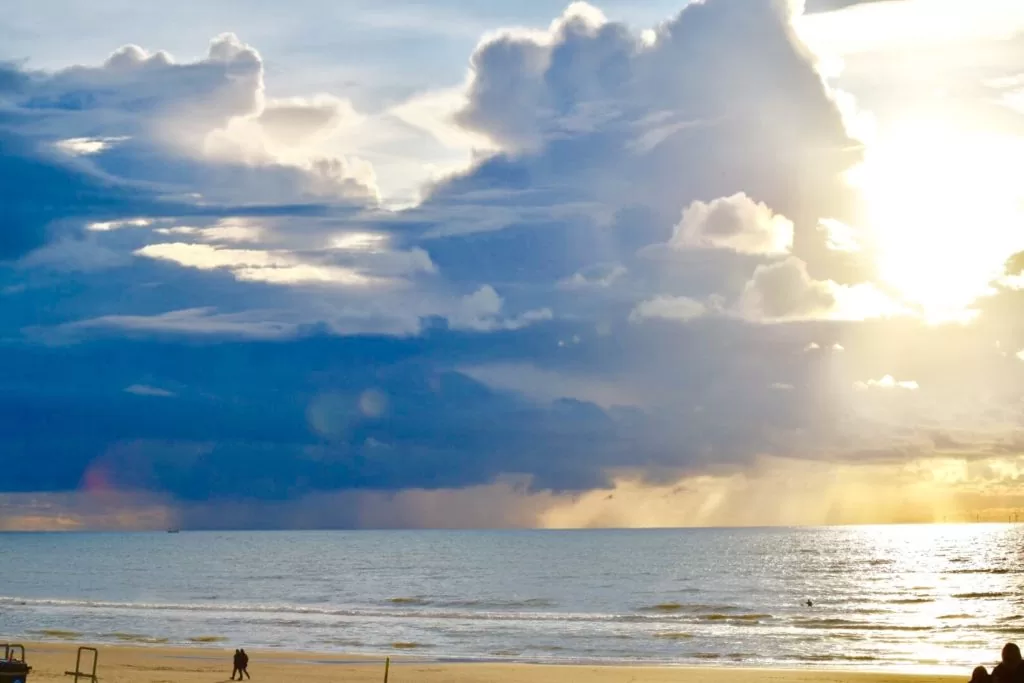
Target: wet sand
[205, 665]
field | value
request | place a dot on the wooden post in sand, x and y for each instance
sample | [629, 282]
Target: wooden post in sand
[387, 668]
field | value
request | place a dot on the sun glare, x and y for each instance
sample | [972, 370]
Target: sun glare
[943, 212]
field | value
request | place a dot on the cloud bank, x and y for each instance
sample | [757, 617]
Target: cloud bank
[640, 285]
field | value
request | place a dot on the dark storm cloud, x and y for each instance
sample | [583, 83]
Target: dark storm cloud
[487, 332]
[697, 115]
[47, 195]
[278, 420]
[38, 189]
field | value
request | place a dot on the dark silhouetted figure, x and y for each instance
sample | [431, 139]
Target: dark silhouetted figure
[1010, 670]
[236, 665]
[810, 604]
[980, 675]
[244, 662]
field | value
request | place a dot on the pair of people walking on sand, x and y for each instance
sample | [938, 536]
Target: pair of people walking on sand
[241, 665]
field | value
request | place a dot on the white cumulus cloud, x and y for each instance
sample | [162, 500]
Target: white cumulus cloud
[483, 311]
[887, 383]
[678, 308]
[736, 222]
[784, 290]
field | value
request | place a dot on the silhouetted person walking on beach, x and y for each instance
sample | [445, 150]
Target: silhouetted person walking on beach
[236, 665]
[244, 661]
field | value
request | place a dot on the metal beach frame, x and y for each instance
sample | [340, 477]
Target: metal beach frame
[78, 673]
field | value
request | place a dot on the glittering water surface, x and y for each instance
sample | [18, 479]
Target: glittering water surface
[904, 597]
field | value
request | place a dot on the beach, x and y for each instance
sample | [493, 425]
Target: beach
[121, 664]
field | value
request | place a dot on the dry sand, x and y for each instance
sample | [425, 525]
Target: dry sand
[49, 661]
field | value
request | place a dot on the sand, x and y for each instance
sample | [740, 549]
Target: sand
[203, 665]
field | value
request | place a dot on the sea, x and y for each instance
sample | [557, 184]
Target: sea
[939, 598]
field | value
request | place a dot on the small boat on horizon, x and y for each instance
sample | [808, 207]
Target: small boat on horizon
[173, 531]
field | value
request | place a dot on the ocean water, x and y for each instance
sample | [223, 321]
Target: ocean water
[941, 598]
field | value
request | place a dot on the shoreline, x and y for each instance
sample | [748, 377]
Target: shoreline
[214, 650]
[151, 663]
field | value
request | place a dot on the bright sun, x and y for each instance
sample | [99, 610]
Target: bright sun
[944, 210]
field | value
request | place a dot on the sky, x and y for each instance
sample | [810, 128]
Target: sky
[535, 264]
